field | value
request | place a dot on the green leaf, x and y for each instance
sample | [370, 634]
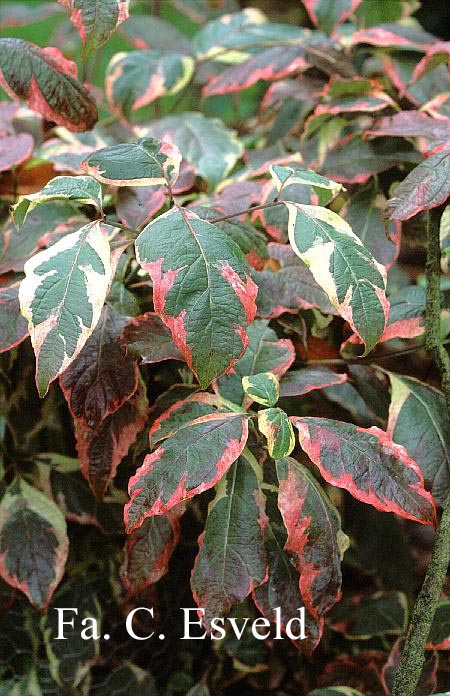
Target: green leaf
[145, 162]
[276, 426]
[33, 542]
[83, 190]
[198, 451]
[137, 78]
[231, 561]
[329, 15]
[335, 691]
[439, 637]
[62, 296]
[47, 82]
[206, 142]
[96, 20]
[354, 282]
[363, 617]
[293, 174]
[418, 420]
[263, 388]
[202, 289]
[315, 541]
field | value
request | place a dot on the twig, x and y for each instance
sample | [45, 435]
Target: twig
[413, 655]
[263, 206]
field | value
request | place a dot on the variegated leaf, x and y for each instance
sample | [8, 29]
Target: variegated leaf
[354, 282]
[136, 78]
[307, 379]
[145, 162]
[361, 617]
[83, 190]
[62, 296]
[33, 542]
[47, 82]
[277, 428]
[315, 541]
[294, 174]
[232, 560]
[148, 338]
[328, 15]
[196, 453]
[96, 20]
[425, 187]
[369, 465]
[13, 327]
[202, 289]
[418, 420]
[262, 387]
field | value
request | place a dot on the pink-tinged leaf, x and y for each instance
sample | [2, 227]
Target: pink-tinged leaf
[14, 15]
[271, 64]
[439, 636]
[102, 378]
[436, 54]
[419, 421]
[33, 542]
[148, 338]
[148, 550]
[232, 560]
[425, 187]
[184, 409]
[150, 31]
[395, 35]
[265, 353]
[428, 680]
[13, 327]
[315, 542]
[369, 465]
[14, 150]
[137, 205]
[399, 68]
[328, 15]
[236, 196]
[280, 593]
[47, 82]
[101, 450]
[411, 124]
[202, 289]
[291, 288]
[197, 452]
[301, 382]
[96, 20]
[353, 95]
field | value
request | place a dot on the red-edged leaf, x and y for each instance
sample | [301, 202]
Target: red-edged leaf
[280, 593]
[425, 187]
[102, 378]
[352, 95]
[439, 636]
[100, 451]
[300, 382]
[33, 542]
[202, 289]
[195, 455]
[291, 288]
[148, 550]
[15, 149]
[137, 205]
[436, 54]
[181, 409]
[368, 465]
[399, 68]
[96, 20]
[396, 35]
[428, 680]
[414, 124]
[148, 338]
[328, 15]
[315, 541]
[231, 561]
[272, 64]
[13, 326]
[46, 80]
[265, 353]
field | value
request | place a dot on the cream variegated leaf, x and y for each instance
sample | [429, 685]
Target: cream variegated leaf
[62, 296]
[353, 280]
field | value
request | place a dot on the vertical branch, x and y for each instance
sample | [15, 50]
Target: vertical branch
[413, 656]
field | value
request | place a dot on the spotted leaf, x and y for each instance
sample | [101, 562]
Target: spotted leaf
[101, 449]
[369, 465]
[329, 14]
[262, 387]
[315, 542]
[136, 78]
[202, 289]
[418, 420]
[83, 190]
[96, 20]
[277, 428]
[231, 561]
[148, 550]
[102, 377]
[265, 353]
[33, 542]
[425, 187]
[145, 162]
[340, 263]
[62, 296]
[196, 453]
[47, 82]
